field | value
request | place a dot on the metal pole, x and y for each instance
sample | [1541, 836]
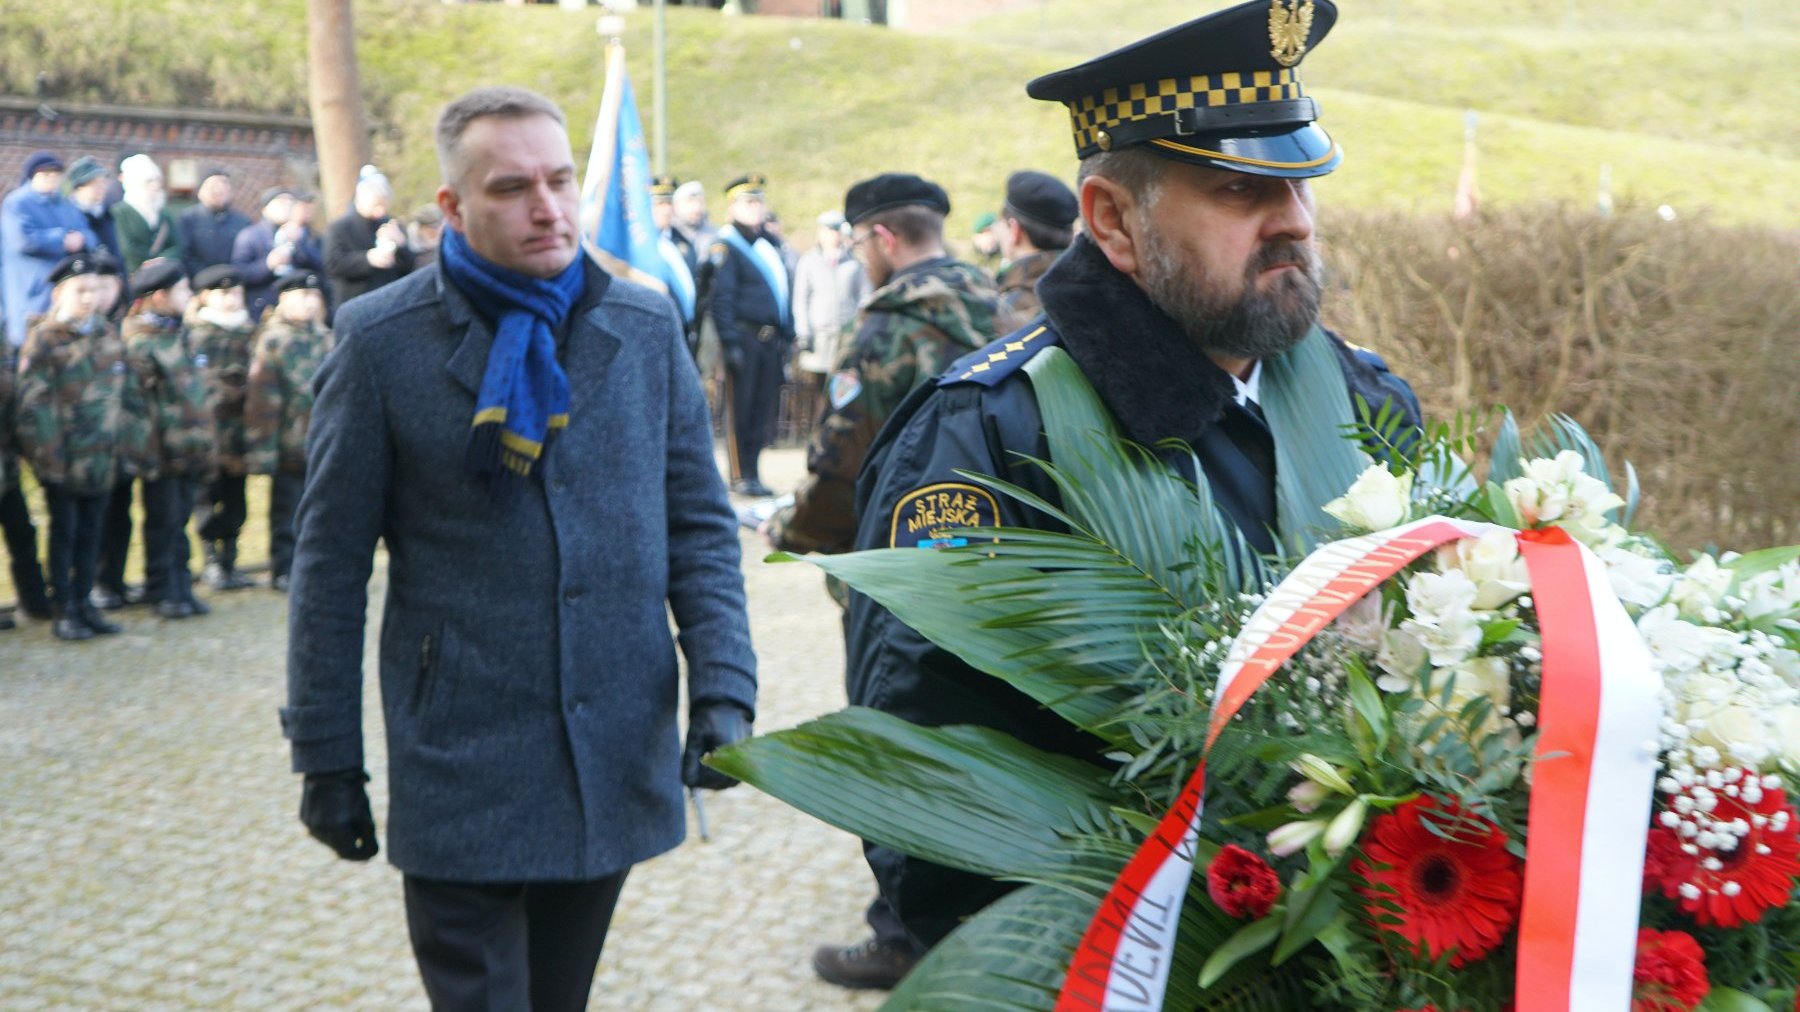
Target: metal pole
[662, 89]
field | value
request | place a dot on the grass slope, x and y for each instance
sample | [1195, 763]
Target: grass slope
[1692, 119]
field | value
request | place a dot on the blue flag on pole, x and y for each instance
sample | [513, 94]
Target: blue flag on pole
[615, 192]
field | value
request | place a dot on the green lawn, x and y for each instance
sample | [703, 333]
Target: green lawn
[1682, 104]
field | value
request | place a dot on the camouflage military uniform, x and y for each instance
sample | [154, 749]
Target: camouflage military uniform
[911, 329]
[1018, 290]
[80, 423]
[178, 453]
[277, 411]
[224, 356]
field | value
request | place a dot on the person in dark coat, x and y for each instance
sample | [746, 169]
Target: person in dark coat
[751, 307]
[528, 437]
[88, 183]
[1190, 304]
[210, 228]
[274, 248]
[366, 248]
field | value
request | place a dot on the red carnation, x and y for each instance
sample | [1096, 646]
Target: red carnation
[1670, 975]
[1459, 895]
[1242, 884]
[1757, 873]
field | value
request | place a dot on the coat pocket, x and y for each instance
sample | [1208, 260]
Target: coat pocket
[434, 690]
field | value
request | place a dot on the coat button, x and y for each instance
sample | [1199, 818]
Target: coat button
[557, 485]
[572, 593]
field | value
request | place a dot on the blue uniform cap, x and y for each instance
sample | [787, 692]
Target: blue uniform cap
[1221, 91]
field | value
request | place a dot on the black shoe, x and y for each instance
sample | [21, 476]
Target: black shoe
[872, 965]
[69, 627]
[235, 580]
[97, 621]
[174, 609]
[200, 607]
[133, 594]
[106, 600]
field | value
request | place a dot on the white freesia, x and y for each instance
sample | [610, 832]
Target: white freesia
[1492, 563]
[1557, 491]
[1775, 592]
[1640, 580]
[1376, 501]
[1400, 658]
[1700, 587]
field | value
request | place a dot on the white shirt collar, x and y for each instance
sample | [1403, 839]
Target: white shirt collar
[1249, 389]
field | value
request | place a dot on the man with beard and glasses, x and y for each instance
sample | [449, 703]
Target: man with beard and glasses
[1190, 304]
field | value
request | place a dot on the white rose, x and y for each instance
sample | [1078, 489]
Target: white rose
[1741, 734]
[1376, 501]
[1492, 563]
[1787, 733]
[1639, 580]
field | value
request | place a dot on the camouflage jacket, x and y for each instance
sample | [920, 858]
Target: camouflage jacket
[80, 415]
[911, 329]
[223, 354]
[1018, 290]
[180, 438]
[278, 403]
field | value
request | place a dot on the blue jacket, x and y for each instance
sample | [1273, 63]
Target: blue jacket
[208, 236]
[742, 302]
[528, 674]
[32, 226]
[250, 255]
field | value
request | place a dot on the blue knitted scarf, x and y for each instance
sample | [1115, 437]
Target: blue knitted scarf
[524, 393]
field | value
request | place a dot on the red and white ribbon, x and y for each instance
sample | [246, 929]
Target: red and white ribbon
[1589, 805]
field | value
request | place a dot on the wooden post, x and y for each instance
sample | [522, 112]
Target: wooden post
[335, 96]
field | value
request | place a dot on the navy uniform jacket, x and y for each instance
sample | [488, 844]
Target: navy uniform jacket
[528, 673]
[742, 303]
[207, 236]
[986, 421]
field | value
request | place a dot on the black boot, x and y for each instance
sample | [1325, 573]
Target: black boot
[68, 625]
[97, 620]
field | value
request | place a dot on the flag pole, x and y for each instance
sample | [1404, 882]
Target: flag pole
[662, 89]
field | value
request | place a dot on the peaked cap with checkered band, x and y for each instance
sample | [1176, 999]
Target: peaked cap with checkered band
[1222, 91]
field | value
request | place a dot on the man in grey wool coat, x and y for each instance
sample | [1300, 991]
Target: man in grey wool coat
[529, 438]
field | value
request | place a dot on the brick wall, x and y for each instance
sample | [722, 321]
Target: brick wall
[259, 151]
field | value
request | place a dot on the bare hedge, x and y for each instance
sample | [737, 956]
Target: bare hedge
[1675, 343]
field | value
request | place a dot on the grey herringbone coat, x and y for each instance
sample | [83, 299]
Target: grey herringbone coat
[528, 672]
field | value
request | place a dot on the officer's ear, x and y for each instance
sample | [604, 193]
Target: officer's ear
[451, 204]
[1110, 212]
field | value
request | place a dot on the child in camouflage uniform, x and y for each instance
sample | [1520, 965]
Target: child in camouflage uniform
[179, 448]
[221, 333]
[290, 346]
[80, 426]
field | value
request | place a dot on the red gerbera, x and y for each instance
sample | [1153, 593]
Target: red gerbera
[1242, 884]
[1458, 895]
[1756, 873]
[1670, 975]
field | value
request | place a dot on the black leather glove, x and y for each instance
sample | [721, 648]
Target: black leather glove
[335, 809]
[711, 726]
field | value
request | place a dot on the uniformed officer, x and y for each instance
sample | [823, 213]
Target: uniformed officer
[79, 425]
[220, 331]
[677, 253]
[1036, 223]
[290, 344]
[750, 307]
[927, 310]
[179, 453]
[1190, 304]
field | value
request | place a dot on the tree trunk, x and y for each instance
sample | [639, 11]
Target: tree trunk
[335, 95]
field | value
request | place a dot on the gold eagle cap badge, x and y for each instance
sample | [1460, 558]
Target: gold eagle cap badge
[1290, 22]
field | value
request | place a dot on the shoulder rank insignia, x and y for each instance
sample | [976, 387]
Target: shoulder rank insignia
[1001, 359]
[1290, 23]
[923, 518]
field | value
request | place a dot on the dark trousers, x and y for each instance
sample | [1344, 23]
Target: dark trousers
[22, 551]
[921, 902]
[756, 401]
[115, 538]
[75, 526]
[222, 515]
[529, 946]
[168, 502]
[284, 499]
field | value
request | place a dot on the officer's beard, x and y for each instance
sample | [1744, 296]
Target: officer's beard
[1247, 324]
